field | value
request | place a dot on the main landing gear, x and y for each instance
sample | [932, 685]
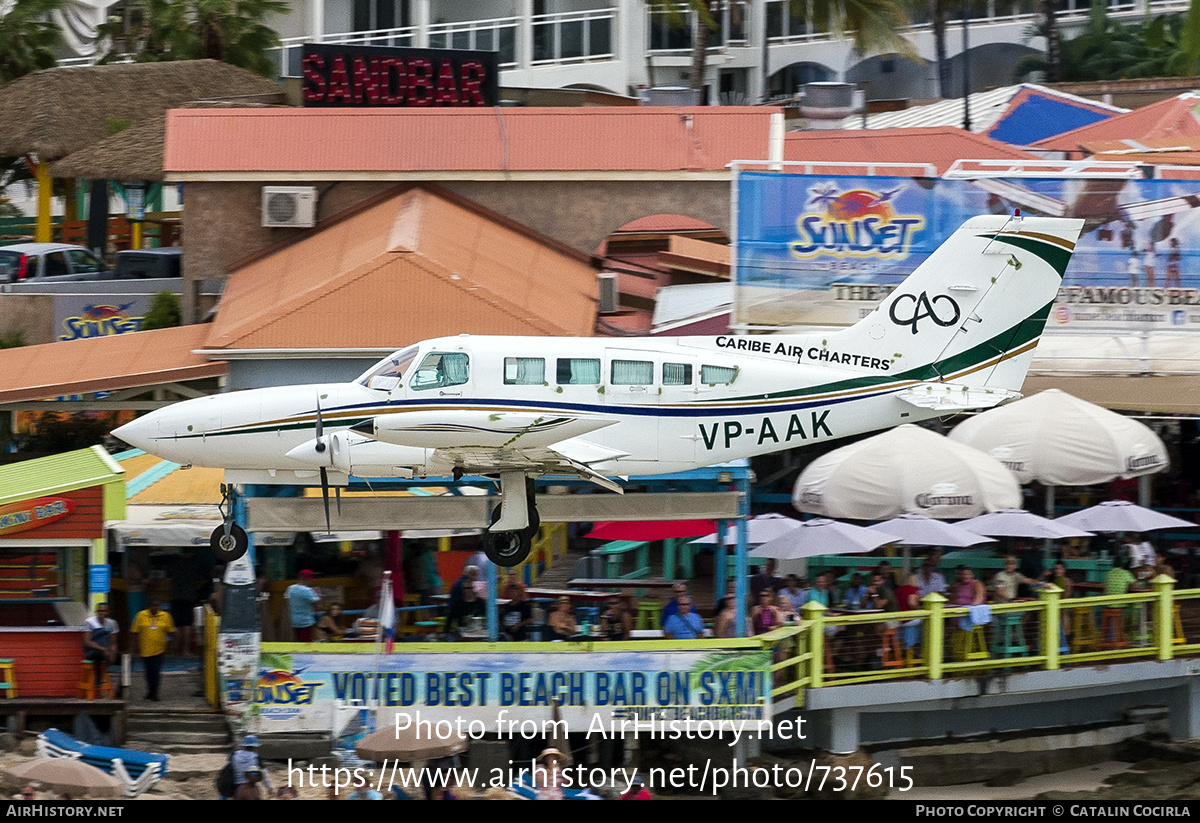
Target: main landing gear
[514, 522]
[228, 541]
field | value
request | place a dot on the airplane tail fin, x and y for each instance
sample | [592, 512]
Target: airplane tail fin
[974, 310]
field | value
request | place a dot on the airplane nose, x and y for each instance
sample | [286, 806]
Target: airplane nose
[140, 433]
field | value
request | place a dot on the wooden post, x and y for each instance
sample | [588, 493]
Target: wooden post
[43, 232]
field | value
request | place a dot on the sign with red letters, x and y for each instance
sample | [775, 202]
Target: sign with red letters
[334, 75]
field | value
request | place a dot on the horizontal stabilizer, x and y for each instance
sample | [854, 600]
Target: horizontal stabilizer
[955, 396]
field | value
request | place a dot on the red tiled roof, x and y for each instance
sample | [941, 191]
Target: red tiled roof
[1175, 117]
[666, 224]
[938, 146]
[263, 141]
[405, 268]
[120, 361]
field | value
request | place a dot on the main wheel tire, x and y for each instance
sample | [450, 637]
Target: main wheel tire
[229, 547]
[508, 549]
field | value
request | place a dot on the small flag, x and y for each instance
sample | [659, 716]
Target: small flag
[387, 614]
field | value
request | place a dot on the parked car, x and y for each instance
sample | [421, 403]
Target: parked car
[49, 261]
[141, 264]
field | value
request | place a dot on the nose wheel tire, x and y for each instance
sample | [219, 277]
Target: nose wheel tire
[229, 547]
[508, 549]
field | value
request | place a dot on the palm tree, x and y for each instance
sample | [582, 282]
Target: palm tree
[231, 31]
[873, 25]
[28, 36]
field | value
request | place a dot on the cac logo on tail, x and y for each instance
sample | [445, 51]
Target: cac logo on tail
[942, 310]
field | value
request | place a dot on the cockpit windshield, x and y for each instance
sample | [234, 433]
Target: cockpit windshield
[387, 374]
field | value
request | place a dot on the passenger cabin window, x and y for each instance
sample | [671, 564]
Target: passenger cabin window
[524, 371]
[632, 373]
[677, 374]
[440, 369]
[578, 371]
[717, 375]
[388, 374]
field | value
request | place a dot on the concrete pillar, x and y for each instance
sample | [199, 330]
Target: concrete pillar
[758, 37]
[1184, 708]
[843, 731]
[316, 19]
[422, 24]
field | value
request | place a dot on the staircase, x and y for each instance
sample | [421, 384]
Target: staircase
[175, 732]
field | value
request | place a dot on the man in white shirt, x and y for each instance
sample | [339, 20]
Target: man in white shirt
[929, 579]
[1141, 553]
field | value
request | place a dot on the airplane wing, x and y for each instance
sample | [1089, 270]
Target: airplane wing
[572, 456]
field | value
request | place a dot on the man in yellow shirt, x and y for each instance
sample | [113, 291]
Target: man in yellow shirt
[153, 628]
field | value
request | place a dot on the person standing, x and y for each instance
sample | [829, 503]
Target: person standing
[154, 629]
[302, 605]
[100, 641]
[246, 763]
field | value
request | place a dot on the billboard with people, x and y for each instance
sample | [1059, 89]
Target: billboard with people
[823, 250]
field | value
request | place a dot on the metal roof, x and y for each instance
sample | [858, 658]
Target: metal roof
[1174, 117]
[939, 147]
[987, 108]
[206, 144]
[59, 473]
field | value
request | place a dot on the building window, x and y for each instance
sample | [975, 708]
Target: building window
[373, 15]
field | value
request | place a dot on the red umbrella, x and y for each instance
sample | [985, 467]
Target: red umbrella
[647, 530]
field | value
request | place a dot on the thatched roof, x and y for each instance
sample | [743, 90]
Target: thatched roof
[55, 112]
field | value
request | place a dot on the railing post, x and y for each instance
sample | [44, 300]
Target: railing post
[814, 622]
[935, 642]
[1164, 617]
[1051, 597]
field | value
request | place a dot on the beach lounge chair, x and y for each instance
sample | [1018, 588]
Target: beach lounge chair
[136, 770]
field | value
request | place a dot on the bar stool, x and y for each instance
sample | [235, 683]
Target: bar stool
[971, 644]
[890, 651]
[1112, 629]
[649, 614]
[87, 681]
[1179, 635]
[1084, 634]
[1009, 640]
[8, 677]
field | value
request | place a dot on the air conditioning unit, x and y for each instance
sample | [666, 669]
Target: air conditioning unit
[610, 300]
[289, 207]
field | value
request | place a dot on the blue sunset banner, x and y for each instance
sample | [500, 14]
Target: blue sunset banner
[823, 250]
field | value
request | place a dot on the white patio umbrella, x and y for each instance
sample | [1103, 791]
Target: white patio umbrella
[1060, 440]
[1122, 516]
[906, 469]
[823, 536]
[1020, 523]
[760, 529]
[920, 530]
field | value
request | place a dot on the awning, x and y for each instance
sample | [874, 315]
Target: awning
[170, 526]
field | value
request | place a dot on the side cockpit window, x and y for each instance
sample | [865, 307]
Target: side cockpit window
[439, 370]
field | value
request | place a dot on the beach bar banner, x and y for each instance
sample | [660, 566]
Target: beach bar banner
[491, 692]
[821, 250]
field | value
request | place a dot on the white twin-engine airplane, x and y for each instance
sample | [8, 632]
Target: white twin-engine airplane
[958, 333]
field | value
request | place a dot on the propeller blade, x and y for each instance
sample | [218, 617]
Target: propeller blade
[337, 494]
[325, 497]
[320, 429]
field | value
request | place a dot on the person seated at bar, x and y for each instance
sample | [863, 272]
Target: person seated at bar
[467, 605]
[856, 594]
[1120, 580]
[677, 591]
[764, 616]
[561, 621]
[820, 591]
[794, 592]
[879, 594]
[908, 598]
[967, 590]
[929, 579]
[1058, 576]
[329, 627]
[518, 613]
[1005, 583]
[685, 624]
[726, 622]
[784, 608]
[615, 621]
